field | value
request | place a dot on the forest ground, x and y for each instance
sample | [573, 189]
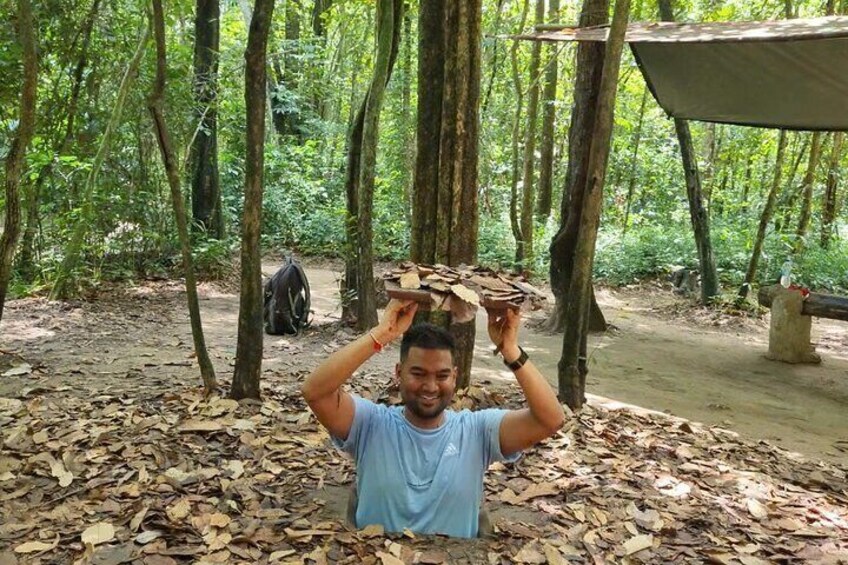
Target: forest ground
[640, 486]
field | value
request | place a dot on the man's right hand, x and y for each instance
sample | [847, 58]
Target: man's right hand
[396, 320]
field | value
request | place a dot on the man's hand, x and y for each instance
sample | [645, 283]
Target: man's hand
[396, 320]
[503, 331]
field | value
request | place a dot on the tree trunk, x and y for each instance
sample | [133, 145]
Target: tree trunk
[389, 20]
[248, 368]
[445, 216]
[17, 152]
[65, 281]
[26, 257]
[634, 161]
[514, 221]
[830, 200]
[573, 363]
[319, 8]
[765, 218]
[546, 162]
[524, 258]
[807, 191]
[697, 212]
[590, 60]
[788, 200]
[155, 105]
[358, 292]
[206, 188]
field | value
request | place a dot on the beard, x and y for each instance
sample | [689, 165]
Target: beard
[426, 411]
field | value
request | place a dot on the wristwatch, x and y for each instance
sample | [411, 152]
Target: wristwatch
[518, 363]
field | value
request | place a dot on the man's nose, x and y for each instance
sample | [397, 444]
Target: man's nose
[430, 385]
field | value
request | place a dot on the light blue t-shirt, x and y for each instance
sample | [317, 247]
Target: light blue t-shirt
[430, 481]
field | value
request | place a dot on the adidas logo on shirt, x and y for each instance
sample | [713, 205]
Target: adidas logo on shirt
[451, 450]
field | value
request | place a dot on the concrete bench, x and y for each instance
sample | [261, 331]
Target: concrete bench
[792, 319]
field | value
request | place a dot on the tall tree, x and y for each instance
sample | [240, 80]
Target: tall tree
[17, 152]
[26, 257]
[65, 280]
[206, 187]
[248, 368]
[829, 205]
[514, 211]
[359, 290]
[698, 214]
[634, 161]
[524, 246]
[807, 193]
[587, 83]
[546, 158]
[156, 104]
[573, 367]
[765, 218]
[445, 216]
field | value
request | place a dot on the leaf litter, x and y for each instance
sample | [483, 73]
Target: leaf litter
[142, 470]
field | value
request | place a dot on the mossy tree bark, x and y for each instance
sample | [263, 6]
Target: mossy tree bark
[445, 216]
[155, 104]
[829, 205]
[17, 152]
[248, 368]
[359, 293]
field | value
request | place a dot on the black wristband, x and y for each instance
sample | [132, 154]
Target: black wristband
[518, 363]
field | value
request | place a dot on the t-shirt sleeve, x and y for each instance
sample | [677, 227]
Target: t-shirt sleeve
[365, 413]
[489, 425]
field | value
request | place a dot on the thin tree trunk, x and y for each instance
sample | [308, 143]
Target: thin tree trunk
[495, 66]
[573, 363]
[17, 152]
[389, 20]
[546, 162]
[788, 200]
[358, 294]
[830, 200]
[524, 257]
[514, 212]
[248, 368]
[26, 257]
[590, 60]
[65, 281]
[634, 161]
[155, 105]
[697, 212]
[765, 218]
[206, 187]
[807, 191]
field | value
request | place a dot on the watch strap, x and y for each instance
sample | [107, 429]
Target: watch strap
[518, 363]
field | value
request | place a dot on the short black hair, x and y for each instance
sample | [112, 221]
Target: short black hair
[427, 336]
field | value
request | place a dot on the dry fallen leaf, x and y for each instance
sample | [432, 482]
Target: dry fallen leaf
[638, 543]
[410, 280]
[36, 546]
[389, 559]
[756, 508]
[98, 533]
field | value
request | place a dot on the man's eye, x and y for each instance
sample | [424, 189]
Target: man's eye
[443, 377]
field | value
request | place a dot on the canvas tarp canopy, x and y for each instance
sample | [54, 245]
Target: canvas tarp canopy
[790, 74]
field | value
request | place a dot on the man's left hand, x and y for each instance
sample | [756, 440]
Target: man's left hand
[503, 331]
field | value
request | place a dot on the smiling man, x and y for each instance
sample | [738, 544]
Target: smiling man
[420, 466]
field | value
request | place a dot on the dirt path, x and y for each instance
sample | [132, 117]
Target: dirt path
[717, 376]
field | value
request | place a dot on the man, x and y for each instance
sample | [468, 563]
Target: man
[420, 466]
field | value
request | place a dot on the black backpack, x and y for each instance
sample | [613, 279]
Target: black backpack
[287, 300]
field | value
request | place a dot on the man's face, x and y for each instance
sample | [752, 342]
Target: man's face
[427, 381]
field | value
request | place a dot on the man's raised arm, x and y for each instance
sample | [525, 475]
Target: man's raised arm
[333, 407]
[543, 417]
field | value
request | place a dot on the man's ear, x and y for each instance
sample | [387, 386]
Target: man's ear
[397, 373]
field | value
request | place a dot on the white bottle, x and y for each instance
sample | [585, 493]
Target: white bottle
[786, 274]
